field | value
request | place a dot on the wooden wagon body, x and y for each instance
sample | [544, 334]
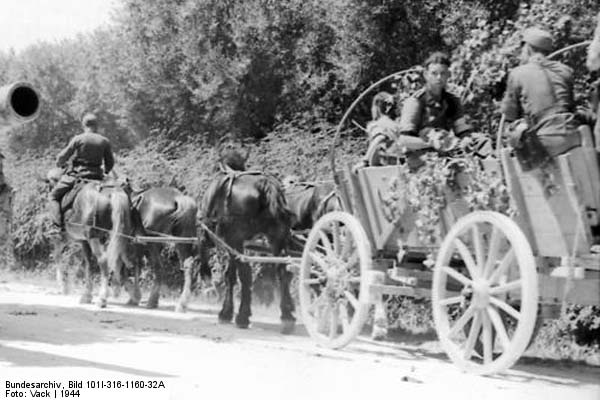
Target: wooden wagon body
[486, 275]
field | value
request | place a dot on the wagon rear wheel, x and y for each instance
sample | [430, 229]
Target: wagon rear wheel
[334, 279]
[485, 309]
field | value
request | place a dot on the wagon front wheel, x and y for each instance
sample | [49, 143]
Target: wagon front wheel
[334, 279]
[485, 292]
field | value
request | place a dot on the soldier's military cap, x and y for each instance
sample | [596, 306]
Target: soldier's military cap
[538, 38]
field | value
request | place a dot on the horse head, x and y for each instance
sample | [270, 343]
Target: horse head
[233, 159]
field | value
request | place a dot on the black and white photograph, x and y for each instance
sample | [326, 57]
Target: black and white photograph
[300, 199]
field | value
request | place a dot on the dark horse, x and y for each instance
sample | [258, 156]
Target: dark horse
[167, 211]
[237, 206]
[309, 201]
[100, 220]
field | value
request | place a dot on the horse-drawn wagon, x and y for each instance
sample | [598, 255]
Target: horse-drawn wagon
[490, 276]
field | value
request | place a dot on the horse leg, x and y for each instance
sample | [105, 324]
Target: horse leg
[133, 289]
[96, 247]
[88, 260]
[288, 321]
[226, 313]
[187, 264]
[242, 319]
[157, 267]
[62, 276]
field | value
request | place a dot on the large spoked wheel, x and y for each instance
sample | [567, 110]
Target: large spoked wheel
[485, 293]
[377, 152]
[334, 279]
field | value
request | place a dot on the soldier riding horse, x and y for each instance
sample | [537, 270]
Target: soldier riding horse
[95, 213]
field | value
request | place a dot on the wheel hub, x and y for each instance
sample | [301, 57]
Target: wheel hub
[481, 294]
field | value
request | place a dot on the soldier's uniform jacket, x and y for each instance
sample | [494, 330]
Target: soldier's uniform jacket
[541, 91]
[88, 150]
[422, 111]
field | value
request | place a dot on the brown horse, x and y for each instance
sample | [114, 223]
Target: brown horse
[238, 206]
[100, 220]
[167, 211]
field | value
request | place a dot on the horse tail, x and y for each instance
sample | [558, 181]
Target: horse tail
[122, 228]
[273, 196]
[184, 215]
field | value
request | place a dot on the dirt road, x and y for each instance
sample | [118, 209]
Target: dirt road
[49, 338]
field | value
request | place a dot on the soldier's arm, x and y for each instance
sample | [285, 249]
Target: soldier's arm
[66, 153]
[410, 118]
[460, 125]
[511, 106]
[109, 160]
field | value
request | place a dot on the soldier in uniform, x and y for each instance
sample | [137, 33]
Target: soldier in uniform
[87, 152]
[540, 92]
[433, 107]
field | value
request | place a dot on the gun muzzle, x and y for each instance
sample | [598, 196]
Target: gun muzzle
[19, 103]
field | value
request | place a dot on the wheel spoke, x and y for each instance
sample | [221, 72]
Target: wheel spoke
[478, 244]
[326, 244]
[493, 252]
[319, 301]
[337, 244]
[333, 321]
[499, 327]
[319, 260]
[473, 334]
[352, 299]
[344, 317]
[457, 275]
[506, 287]
[487, 339]
[347, 245]
[465, 253]
[451, 300]
[311, 281]
[353, 260]
[506, 308]
[506, 262]
[323, 318]
[462, 321]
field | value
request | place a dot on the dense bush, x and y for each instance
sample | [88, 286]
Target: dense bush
[169, 79]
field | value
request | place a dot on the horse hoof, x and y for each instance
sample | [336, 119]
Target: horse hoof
[242, 323]
[225, 318]
[85, 299]
[179, 308]
[152, 304]
[379, 333]
[132, 303]
[288, 327]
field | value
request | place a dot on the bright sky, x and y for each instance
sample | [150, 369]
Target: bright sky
[24, 22]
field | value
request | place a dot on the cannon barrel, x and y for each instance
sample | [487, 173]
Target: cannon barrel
[19, 103]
